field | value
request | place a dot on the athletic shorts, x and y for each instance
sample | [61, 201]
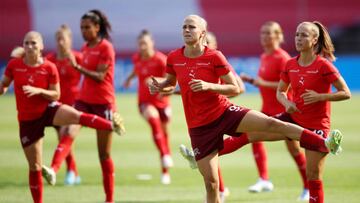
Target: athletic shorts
[286, 117]
[208, 138]
[164, 113]
[32, 130]
[102, 110]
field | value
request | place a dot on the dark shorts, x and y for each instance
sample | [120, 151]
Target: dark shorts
[286, 117]
[102, 110]
[164, 113]
[208, 138]
[31, 131]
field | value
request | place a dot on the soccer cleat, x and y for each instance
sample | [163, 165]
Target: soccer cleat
[261, 186]
[165, 179]
[333, 142]
[49, 174]
[304, 196]
[166, 161]
[118, 124]
[71, 178]
[224, 194]
[189, 156]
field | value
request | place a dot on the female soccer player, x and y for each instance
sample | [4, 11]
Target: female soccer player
[69, 89]
[272, 63]
[155, 109]
[209, 113]
[36, 84]
[97, 94]
[311, 76]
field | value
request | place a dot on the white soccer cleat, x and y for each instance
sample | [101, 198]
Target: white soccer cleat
[304, 196]
[333, 142]
[261, 186]
[188, 155]
[118, 124]
[166, 161]
[224, 194]
[49, 174]
[165, 179]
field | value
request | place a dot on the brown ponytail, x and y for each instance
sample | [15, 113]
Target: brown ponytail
[99, 18]
[324, 46]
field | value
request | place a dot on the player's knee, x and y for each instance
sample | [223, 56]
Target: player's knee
[35, 166]
[211, 184]
[313, 173]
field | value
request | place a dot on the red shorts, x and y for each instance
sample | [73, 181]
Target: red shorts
[286, 117]
[33, 130]
[164, 113]
[208, 138]
[102, 110]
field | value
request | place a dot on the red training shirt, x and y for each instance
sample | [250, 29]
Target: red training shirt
[69, 77]
[93, 92]
[145, 68]
[30, 108]
[271, 66]
[202, 107]
[318, 77]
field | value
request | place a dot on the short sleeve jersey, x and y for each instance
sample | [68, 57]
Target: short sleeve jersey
[69, 77]
[94, 92]
[30, 108]
[145, 68]
[203, 107]
[271, 66]
[318, 77]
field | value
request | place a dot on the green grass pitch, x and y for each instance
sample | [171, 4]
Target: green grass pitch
[135, 154]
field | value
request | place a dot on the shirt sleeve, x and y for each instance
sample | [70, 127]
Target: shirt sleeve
[162, 63]
[53, 74]
[330, 72]
[106, 55]
[221, 65]
[170, 65]
[9, 70]
[285, 74]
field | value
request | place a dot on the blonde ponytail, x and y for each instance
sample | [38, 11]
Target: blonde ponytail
[18, 52]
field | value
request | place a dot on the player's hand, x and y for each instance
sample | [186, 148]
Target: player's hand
[167, 91]
[290, 107]
[199, 85]
[310, 97]
[154, 86]
[247, 78]
[72, 59]
[127, 84]
[31, 91]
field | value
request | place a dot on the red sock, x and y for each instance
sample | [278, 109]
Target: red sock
[70, 163]
[311, 141]
[231, 144]
[316, 191]
[260, 157]
[158, 136]
[36, 186]
[62, 150]
[167, 143]
[108, 173]
[221, 181]
[301, 164]
[94, 121]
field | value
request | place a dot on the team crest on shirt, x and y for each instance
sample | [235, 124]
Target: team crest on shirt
[192, 74]
[302, 80]
[31, 79]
